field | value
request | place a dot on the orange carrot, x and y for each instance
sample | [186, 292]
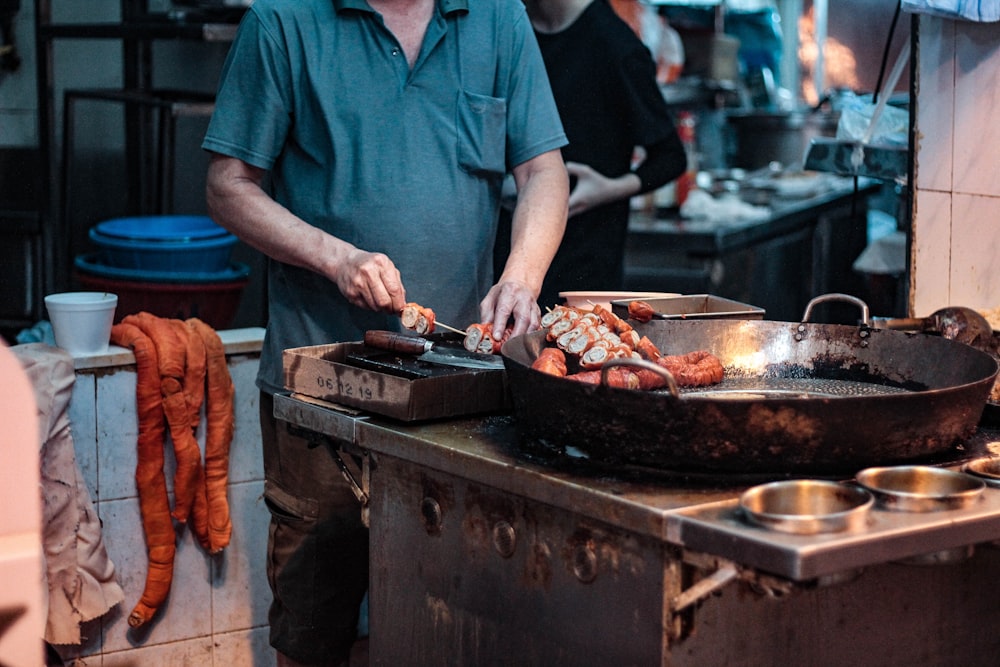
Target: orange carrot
[154, 504]
[220, 425]
[171, 349]
[194, 374]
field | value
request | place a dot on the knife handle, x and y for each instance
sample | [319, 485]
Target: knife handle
[397, 342]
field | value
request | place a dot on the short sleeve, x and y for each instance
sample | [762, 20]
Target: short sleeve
[533, 125]
[649, 115]
[252, 107]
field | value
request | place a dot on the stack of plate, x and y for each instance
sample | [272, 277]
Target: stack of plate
[171, 266]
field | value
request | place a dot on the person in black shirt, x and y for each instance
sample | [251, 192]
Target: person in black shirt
[604, 81]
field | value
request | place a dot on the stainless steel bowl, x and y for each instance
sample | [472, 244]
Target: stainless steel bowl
[806, 507]
[920, 488]
[987, 468]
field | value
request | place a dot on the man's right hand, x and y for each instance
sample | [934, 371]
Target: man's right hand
[237, 201]
[370, 280]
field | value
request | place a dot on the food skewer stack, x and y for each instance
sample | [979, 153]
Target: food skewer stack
[591, 338]
[597, 336]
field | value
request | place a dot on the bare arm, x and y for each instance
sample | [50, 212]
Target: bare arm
[594, 188]
[538, 225]
[237, 202]
[665, 160]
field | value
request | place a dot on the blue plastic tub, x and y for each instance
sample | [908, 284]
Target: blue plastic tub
[91, 264]
[188, 256]
[173, 228]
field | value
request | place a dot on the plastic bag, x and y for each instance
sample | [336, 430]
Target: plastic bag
[891, 128]
[970, 10]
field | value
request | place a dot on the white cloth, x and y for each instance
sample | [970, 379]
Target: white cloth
[80, 576]
[727, 208]
[885, 255]
[983, 11]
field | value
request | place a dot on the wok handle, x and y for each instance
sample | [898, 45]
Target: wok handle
[642, 364]
[836, 296]
[903, 323]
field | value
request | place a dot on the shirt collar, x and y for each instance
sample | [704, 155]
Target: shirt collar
[447, 6]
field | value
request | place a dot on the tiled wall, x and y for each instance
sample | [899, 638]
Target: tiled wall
[217, 610]
[956, 231]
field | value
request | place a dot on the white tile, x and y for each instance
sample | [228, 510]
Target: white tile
[245, 459]
[975, 252]
[187, 611]
[117, 432]
[977, 96]
[191, 653]
[245, 647]
[240, 594]
[931, 251]
[935, 109]
[83, 428]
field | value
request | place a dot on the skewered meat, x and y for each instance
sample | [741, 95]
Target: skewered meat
[695, 369]
[613, 322]
[597, 336]
[417, 318]
[552, 361]
[559, 312]
[640, 311]
[647, 350]
[479, 338]
[601, 352]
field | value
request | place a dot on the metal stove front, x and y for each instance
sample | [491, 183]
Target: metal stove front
[481, 558]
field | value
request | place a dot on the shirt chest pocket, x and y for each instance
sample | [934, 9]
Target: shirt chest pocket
[482, 134]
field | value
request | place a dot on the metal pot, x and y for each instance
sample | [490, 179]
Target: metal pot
[799, 397]
[762, 137]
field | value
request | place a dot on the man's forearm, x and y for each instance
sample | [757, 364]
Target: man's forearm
[237, 202]
[539, 219]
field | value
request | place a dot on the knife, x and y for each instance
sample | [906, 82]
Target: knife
[432, 352]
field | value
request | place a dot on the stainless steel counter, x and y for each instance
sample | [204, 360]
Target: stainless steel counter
[694, 512]
[803, 247]
[481, 555]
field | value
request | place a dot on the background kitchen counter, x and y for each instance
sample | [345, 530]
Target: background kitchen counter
[804, 247]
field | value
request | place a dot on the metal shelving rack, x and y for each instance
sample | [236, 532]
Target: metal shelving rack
[147, 111]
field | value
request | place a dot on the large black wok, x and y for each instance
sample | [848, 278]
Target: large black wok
[797, 397]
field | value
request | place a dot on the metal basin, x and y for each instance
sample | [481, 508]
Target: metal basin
[920, 488]
[986, 468]
[806, 507]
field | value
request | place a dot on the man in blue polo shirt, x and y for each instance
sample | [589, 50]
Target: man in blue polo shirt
[382, 130]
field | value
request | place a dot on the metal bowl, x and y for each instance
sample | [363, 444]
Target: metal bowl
[920, 488]
[806, 507]
[986, 468]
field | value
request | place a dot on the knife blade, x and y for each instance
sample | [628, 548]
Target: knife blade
[432, 352]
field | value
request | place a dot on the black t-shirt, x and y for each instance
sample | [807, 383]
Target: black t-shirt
[604, 82]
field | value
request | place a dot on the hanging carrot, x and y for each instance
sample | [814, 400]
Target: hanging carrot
[171, 350]
[220, 426]
[194, 374]
[154, 504]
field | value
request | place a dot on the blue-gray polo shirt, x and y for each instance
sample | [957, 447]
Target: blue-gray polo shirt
[405, 162]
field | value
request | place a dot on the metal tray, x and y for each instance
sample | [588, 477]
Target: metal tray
[694, 306]
[396, 386]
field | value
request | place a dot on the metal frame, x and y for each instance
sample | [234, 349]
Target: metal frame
[146, 152]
